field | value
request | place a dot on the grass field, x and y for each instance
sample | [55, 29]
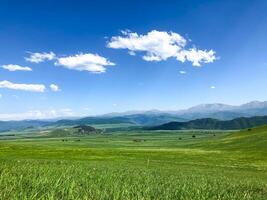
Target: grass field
[135, 165]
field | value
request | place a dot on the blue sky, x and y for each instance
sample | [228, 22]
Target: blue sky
[113, 56]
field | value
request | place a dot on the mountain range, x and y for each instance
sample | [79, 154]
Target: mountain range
[215, 111]
[214, 124]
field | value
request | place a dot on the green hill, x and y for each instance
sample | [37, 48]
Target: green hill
[81, 130]
[86, 130]
[251, 142]
[214, 124]
[254, 139]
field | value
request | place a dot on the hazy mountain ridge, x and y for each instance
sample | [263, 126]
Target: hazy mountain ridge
[138, 119]
[224, 111]
[213, 124]
[215, 110]
[152, 117]
[18, 125]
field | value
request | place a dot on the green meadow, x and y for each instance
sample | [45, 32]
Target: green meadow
[134, 164]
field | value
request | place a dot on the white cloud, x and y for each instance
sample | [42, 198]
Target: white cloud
[212, 87]
[54, 88]
[85, 62]
[198, 56]
[37, 114]
[25, 87]
[182, 72]
[40, 57]
[161, 45]
[13, 68]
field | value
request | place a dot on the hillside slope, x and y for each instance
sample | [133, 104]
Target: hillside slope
[214, 124]
[249, 141]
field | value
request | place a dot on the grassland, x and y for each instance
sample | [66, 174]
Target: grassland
[134, 165]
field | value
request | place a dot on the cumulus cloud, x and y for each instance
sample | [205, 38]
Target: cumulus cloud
[25, 87]
[54, 88]
[198, 56]
[13, 68]
[212, 87]
[37, 114]
[40, 57]
[85, 62]
[182, 72]
[161, 45]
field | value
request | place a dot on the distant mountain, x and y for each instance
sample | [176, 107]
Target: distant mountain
[214, 124]
[209, 108]
[18, 125]
[152, 117]
[90, 120]
[223, 111]
[253, 105]
[216, 110]
[138, 119]
[134, 112]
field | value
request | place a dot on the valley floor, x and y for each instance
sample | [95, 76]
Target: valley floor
[136, 165]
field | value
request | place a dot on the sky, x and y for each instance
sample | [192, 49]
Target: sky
[79, 58]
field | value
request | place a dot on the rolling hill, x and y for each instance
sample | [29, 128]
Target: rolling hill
[252, 140]
[213, 124]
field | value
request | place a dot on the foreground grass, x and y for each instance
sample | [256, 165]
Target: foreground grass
[159, 166]
[68, 180]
